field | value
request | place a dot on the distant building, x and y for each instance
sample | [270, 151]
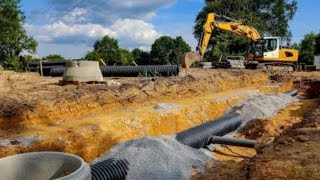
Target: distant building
[316, 62]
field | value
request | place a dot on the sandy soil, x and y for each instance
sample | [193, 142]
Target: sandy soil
[272, 159]
[89, 119]
[290, 145]
[69, 118]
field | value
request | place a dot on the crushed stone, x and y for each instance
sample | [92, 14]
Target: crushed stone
[113, 83]
[166, 106]
[158, 158]
[261, 106]
[23, 141]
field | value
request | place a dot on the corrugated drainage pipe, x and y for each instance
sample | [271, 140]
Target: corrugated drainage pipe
[292, 92]
[110, 169]
[129, 71]
[232, 142]
[198, 136]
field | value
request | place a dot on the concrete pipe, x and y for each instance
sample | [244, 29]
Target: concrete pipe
[82, 71]
[44, 165]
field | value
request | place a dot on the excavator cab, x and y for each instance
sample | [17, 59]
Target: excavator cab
[267, 47]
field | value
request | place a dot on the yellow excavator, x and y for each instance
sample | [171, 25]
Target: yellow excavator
[264, 52]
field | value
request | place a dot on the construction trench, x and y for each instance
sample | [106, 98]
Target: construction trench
[132, 123]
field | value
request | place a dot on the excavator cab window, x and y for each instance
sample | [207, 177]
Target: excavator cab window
[270, 45]
[259, 48]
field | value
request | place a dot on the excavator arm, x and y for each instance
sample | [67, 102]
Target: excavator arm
[235, 27]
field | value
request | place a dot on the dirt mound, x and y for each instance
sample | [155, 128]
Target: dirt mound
[294, 155]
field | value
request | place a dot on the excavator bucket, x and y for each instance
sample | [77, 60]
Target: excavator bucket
[188, 59]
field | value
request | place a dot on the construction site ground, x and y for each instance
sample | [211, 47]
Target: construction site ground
[37, 114]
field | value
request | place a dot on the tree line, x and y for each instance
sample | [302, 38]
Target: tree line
[165, 50]
[308, 47]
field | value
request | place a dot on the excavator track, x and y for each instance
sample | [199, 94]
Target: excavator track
[274, 66]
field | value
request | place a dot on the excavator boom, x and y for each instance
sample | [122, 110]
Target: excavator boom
[234, 26]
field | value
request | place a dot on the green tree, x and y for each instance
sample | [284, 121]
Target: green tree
[295, 46]
[318, 44]
[308, 48]
[13, 37]
[108, 49]
[93, 56]
[141, 57]
[166, 50]
[54, 57]
[126, 58]
[180, 48]
[269, 17]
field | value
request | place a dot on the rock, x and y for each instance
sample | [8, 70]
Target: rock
[146, 80]
[5, 143]
[302, 138]
[113, 83]
[166, 106]
[26, 141]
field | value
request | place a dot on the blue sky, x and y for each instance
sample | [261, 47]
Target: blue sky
[70, 27]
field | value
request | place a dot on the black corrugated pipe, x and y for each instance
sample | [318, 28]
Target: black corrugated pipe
[57, 72]
[232, 141]
[110, 169]
[292, 92]
[130, 71]
[198, 136]
[50, 63]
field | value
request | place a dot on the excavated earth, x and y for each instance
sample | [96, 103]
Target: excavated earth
[289, 143]
[37, 114]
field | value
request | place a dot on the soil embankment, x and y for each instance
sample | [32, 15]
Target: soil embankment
[88, 119]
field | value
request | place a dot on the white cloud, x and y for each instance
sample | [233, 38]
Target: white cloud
[75, 16]
[82, 22]
[129, 32]
[68, 51]
[106, 11]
